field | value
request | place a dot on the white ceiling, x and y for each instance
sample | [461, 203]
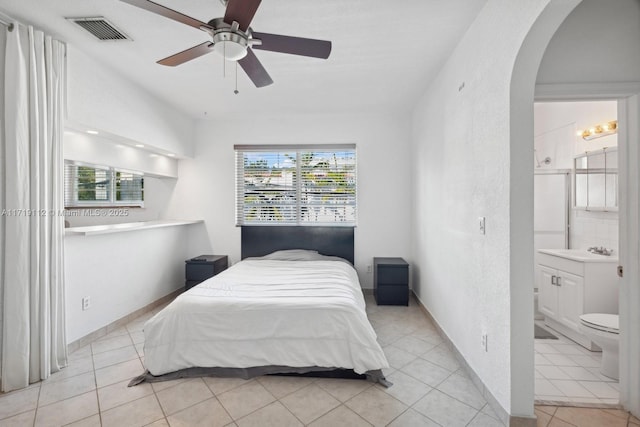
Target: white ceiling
[384, 51]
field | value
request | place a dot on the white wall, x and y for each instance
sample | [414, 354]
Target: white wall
[120, 272]
[463, 168]
[3, 41]
[103, 151]
[101, 99]
[206, 188]
[598, 42]
[159, 180]
[551, 116]
[555, 126]
[157, 194]
[472, 151]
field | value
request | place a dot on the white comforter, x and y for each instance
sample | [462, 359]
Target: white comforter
[262, 312]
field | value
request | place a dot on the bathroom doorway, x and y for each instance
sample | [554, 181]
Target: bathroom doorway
[568, 72]
[567, 363]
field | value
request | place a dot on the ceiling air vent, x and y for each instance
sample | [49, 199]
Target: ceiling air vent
[100, 28]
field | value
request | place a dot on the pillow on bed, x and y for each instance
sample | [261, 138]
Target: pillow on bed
[293, 255]
[300, 255]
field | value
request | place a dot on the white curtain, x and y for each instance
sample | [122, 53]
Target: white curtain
[33, 326]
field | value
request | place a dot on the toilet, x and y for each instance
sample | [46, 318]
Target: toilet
[603, 330]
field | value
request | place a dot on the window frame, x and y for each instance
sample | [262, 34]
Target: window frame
[297, 219]
[72, 201]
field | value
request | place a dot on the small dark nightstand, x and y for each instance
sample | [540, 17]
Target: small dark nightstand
[202, 267]
[391, 281]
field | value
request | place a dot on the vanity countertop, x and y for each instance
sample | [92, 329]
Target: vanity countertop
[581, 255]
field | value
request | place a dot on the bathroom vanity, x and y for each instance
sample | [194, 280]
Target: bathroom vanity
[573, 282]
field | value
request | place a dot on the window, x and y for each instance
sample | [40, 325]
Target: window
[296, 185]
[87, 185]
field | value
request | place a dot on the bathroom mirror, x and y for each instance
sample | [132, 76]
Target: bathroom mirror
[596, 180]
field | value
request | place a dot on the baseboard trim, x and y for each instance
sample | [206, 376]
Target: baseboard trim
[503, 414]
[89, 338]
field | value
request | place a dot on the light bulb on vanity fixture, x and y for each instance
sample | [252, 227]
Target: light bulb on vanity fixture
[599, 131]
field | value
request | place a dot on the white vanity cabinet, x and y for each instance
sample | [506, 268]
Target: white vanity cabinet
[573, 282]
[562, 295]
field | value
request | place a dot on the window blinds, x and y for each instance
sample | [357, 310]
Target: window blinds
[93, 185]
[296, 185]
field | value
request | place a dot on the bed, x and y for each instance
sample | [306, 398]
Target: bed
[285, 308]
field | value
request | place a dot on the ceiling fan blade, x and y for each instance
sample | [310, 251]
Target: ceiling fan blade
[241, 11]
[254, 69]
[187, 55]
[167, 13]
[293, 45]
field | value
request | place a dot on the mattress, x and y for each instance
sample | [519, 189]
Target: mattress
[266, 312]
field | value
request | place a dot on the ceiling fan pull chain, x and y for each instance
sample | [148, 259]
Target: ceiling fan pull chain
[236, 91]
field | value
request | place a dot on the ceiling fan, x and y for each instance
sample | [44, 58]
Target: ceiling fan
[232, 37]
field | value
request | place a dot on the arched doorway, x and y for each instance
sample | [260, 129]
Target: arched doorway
[523, 93]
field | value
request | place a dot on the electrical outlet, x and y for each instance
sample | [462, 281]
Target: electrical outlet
[86, 303]
[481, 223]
[369, 269]
[485, 344]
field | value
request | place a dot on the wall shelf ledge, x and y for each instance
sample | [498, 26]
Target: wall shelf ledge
[127, 226]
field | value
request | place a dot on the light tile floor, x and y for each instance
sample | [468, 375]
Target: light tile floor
[430, 389]
[566, 372]
[566, 416]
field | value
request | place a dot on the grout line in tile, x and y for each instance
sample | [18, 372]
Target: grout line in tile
[35, 414]
[18, 413]
[360, 416]
[222, 406]
[257, 409]
[455, 398]
[160, 404]
[291, 412]
[96, 390]
[398, 416]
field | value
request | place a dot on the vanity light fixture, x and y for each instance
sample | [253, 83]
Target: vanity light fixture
[598, 131]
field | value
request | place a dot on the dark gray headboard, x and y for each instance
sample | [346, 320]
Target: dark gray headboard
[262, 240]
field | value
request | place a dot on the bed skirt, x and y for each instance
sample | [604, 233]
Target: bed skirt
[375, 376]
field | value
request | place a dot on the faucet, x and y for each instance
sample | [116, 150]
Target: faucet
[600, 250]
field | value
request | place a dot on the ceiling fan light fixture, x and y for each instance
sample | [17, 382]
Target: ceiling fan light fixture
[232, 46]
[230, 51]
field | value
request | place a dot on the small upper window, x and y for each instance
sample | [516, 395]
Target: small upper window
[87, 185]
[296, 185]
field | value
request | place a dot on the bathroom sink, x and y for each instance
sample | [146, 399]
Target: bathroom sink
[579, 255]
